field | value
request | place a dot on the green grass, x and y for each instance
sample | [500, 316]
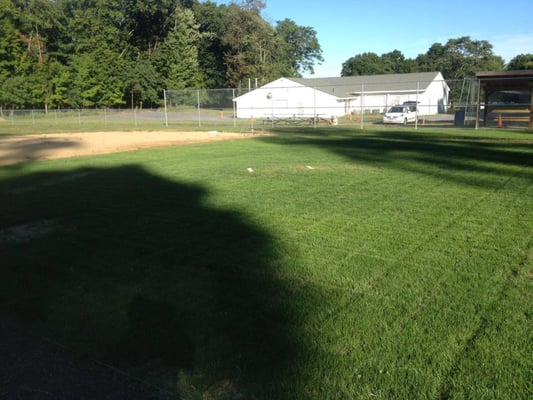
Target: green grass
[383, 264]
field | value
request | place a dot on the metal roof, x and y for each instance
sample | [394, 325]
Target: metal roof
[389, 83]
[506, 80]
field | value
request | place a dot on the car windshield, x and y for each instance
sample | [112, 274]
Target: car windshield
[397, 109]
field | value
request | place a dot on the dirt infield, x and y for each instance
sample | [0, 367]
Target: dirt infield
[19, 149]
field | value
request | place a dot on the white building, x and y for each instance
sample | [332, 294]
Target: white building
[328, 97]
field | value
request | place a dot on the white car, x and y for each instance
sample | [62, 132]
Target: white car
[400, 115]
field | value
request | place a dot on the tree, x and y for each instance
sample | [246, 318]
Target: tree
[14, 91]
[142, 83]
[148, 22]
[521, 61]
[252, 48]
[253, 5]
[96, 24]
[56, 81]
[97, 51]
[11, 48]
[363, 64]
[26, 29]
[460, 58]
[211, 49]
[429, 61]
[177, 57]
[301, 47]
[372, 64]
[396, 63]
[96, 79]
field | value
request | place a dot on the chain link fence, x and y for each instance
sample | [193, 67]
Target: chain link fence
[446, 103]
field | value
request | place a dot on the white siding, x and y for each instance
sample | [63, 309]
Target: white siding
[284, 98]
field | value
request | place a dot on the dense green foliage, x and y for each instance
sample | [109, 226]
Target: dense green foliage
[96, 53]
[457, 59]
[114, 53]
[521, 61]
[387, 264]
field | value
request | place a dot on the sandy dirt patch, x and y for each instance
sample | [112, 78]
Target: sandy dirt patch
[18, 149]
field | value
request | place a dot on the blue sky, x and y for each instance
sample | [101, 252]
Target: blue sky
[346, 28]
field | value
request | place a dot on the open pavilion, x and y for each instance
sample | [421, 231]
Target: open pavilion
[508, 96]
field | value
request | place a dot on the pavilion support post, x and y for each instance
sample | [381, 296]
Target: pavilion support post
[477, 104]
[486, 108]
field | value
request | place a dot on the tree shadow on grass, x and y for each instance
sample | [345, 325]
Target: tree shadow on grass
[130, 269]
[461, 159]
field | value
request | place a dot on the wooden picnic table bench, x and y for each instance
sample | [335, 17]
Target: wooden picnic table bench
[508, 113]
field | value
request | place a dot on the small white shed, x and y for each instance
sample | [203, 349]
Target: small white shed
[328, 97]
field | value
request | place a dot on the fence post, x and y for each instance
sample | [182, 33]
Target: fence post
[362, 106]
[165, 100]
[252, 118]
[417, 89]
[315, 116]
[234, 109]
[198, 100]
[478, 105]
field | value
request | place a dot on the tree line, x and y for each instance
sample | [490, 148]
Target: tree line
[113, 53]
[116, 53]
[457, 59]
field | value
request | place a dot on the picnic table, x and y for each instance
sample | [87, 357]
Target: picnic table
[297, 120]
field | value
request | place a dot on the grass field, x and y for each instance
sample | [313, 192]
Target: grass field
[383, 264]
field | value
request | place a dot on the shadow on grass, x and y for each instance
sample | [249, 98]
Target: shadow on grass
[130, 269]
[451, 157]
